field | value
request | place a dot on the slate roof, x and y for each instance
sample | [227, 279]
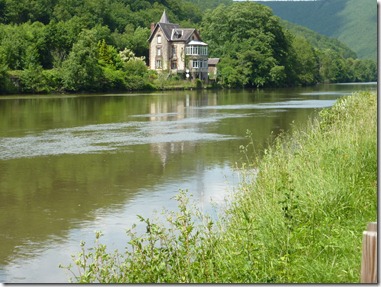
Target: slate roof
[164, 18]
[172, 32]
[213, 61]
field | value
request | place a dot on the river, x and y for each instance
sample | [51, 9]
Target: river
[71, 165]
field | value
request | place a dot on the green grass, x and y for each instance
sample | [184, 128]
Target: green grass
[313, 197]
[300, 220]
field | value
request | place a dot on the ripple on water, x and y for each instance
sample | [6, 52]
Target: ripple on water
[108, 137]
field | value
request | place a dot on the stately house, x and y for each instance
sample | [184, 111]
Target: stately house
[177, 50]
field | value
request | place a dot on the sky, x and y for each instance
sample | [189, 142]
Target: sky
[277, 0]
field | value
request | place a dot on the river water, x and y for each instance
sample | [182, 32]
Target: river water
[71, 165]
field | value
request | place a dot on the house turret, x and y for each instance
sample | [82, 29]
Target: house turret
[164, 18]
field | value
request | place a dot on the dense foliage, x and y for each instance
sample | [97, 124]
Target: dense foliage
[337, 62]
[253, 48]
[75, 46]
[299, 219]
[256, 50]
[54, 45]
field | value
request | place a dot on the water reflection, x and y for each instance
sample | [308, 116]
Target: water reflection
[72, 165]
[108, 137]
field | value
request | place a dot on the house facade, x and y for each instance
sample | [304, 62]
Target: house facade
[177, 50]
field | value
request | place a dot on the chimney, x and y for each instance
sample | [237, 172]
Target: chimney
[152, 27]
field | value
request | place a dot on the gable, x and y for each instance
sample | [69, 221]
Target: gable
[166, 28]
[173, 32]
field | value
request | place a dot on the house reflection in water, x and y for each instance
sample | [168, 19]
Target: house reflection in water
[174, 112]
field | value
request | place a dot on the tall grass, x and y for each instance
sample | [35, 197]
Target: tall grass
[299, 221]
[314, 194]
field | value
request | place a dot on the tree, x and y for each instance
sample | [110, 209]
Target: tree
[21, 11]
[251, 37]
[81, 72]
[304, 62]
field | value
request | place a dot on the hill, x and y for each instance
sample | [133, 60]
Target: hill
[352, 22]
[319, 41]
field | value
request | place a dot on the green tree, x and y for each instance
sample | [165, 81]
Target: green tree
[81, 72]
[304, 62]
[331, 66]
[22, 45]
[133, 39]
[33, 80]
[251, 36]
[3, 76]
[21, 11]
[136, 70]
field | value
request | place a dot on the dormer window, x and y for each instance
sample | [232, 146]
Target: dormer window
[159, 39]
[177, 34]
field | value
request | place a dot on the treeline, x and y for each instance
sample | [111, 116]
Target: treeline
[256, 50]
[76, 45]
[95, 46]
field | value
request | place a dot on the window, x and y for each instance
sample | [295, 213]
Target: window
[158, 64]
[199, 64]
[159, 39]
[197, 50]
[174, 64]
[205, 64]
[177, 34]
[196, 64]
[174, 51]
[158, 52]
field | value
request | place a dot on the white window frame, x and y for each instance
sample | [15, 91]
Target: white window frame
[158, 64]
[196, 50]
[196, 64]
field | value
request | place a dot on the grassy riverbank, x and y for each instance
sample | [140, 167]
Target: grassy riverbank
[301, 220]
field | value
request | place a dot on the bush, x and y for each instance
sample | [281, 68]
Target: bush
[113, 80]
[174, 252]
[53, 80]
[33, 80]
[198, 84]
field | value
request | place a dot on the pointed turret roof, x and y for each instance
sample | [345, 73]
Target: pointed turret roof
[164, 18]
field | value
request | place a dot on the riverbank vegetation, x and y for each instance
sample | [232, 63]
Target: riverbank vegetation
[298, 219]
[81, 46]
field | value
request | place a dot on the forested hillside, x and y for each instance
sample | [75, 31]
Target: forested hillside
[93, 46]
[319, 41]
[255, 50]
[353, 22]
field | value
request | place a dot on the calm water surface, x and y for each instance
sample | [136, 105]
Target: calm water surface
[71, 165]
